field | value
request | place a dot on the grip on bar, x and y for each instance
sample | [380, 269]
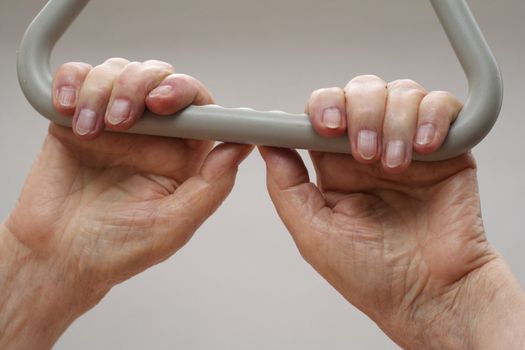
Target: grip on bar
[280, 129]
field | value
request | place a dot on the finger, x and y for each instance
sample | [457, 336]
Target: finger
[180, 214]
[326, 109]
[365, 107]
[298, 202]
[66, 84]
[88, 121]
[399, 125]
[130, 89]
[438, 110]
[176, 92]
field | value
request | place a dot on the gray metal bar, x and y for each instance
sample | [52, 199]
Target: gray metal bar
[276, 128]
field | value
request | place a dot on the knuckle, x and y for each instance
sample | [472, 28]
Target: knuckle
[154, 71]
[155, 62]
[333, 91]
[142, 77]
[315, 94]
[72, 73]
[71, 67]
[159, 64]
[407, 86]
[116, 61]
[181, 79]
[98, 73]
[130, 74]
[366, 78]
[125, 79]
[442, 96]
[440, 99]
[404, 84]
[358, 82]
[325, 91]
[440, 105]
[132, 67]
[102, 70]
[94, 90]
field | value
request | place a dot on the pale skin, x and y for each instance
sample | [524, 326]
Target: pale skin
[94, 213]
[403, 242]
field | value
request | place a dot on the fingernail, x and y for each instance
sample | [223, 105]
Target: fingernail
[161, 91]
[395, 153]
[332, 118]
[367, 144]
[67, 96]
[425, 134]
[119, 111]
[87, 119]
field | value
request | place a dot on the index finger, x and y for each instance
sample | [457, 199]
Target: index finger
[176, 92]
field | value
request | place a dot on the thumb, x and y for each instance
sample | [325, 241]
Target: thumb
[299, 203]
[180, 214]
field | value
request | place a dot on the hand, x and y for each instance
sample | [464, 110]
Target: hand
[402, 242]
[94, 213]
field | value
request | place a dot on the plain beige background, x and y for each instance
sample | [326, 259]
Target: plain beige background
[240, 283]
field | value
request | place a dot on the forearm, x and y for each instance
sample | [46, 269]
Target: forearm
[34, 311]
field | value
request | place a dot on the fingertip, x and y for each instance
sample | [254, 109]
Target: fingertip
[366, 146]
[327, 112]
[66, 85]
[428, 138]
[397, 156]
[65, 100]
[366, 98]
[87, 124]
[436, 113]
[329, 122]
[176, 92]
[161, 100]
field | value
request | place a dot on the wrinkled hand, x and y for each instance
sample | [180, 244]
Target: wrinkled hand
[403, 242]
[99, 208]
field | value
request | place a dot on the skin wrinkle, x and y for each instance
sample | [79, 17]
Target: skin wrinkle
[158, 240]
[169, 185]
[7, 266]
[422, 286]
[72, 153]
[52, 200]
[420, 254]
[70, 258]
[100, 204]
[201, 185]
[455, 291]
[380, 179]
[383, 250]
[415, 289]
[7, 309]
[127, 157]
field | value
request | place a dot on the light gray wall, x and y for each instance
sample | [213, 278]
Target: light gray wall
[240, 284]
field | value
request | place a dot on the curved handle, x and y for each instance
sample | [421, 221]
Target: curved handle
[280, 129]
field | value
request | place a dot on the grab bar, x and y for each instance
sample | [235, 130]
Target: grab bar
[275, 128]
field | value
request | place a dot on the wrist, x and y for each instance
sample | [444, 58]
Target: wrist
[485, 310]
[500, 317]
[36, 303]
